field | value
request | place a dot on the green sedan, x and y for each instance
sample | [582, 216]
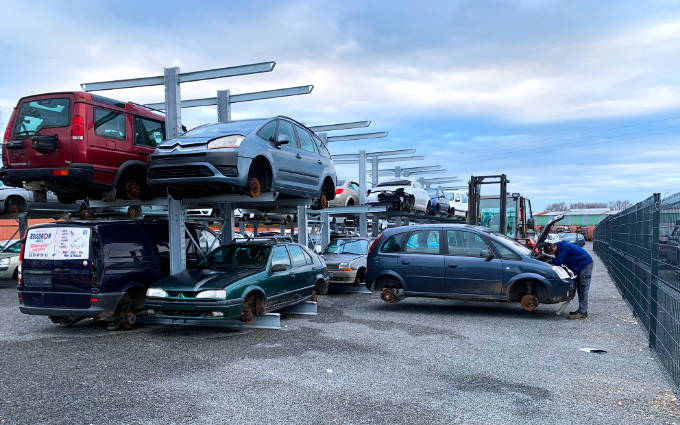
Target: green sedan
[240, 280]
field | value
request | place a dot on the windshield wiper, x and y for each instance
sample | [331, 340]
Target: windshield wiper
[25, 133]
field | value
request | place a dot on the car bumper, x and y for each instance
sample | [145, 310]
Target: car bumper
[562, 290]
[199, 169]
[342, 277]
[392, 201]
[189, 309]
[76, 175]
[103, 308]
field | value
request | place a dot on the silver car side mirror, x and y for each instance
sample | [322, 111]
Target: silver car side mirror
[282, 139]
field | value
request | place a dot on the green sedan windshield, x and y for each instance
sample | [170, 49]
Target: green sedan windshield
[231, 256]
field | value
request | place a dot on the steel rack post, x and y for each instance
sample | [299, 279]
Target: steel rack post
[362, 177]
[374, 170]
[302, 225]
[363, 225]
[325, 229]
[173, 110]
[397, 171]
[223, 106]
[178, 258]
[227, 234]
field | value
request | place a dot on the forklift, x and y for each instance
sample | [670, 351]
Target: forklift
[511, 212]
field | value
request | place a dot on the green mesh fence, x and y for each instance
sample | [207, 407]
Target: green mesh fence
[641, 249]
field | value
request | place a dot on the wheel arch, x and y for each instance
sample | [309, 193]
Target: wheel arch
[264, 161]
[385, 276]
[128, 166]
[537, 283]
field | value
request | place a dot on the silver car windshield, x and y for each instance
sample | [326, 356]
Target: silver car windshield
[347, 246]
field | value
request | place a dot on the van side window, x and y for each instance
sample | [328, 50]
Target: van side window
[267, 132]
[287, 128]
[125, 247]
[148, 132]
[109, 124]
[306, 143]
[321, 147]
[394, 243]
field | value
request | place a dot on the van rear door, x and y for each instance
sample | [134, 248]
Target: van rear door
[56, 267]
[41, 132]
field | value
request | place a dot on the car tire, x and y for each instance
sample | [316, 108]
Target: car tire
[428, 208]
[529, 302]
[15, 205]
[253, 306]
[133, 188]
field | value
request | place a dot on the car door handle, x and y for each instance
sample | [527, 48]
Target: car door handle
[319, 161]
[298, 156]
[405, 262]
[453, 266]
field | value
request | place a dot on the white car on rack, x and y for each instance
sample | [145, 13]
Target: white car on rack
[458, 201]
[400, 194]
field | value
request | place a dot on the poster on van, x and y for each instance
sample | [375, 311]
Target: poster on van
[58, 243]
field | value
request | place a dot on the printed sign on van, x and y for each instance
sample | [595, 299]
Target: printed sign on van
[58, 243]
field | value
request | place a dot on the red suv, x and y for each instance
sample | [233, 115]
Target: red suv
[78, 144]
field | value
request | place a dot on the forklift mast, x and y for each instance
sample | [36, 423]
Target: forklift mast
[520, 209]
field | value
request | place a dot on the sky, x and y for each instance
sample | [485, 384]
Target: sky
[573, 100]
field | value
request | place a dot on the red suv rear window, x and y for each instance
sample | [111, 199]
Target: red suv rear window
[34, 115]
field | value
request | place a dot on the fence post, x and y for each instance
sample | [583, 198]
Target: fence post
[653, 280]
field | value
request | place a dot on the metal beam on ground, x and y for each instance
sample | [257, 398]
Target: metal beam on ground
[339, 126]
[185, 77]
[243, 97]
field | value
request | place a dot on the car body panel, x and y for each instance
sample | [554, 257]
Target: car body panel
[37, 152]
[439, 205]
[185, 163]
[489, 276]
[390, 191]
[280, 288]
[355, 263]
[349, 195]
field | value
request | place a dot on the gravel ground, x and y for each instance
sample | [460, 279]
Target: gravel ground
[419, 361]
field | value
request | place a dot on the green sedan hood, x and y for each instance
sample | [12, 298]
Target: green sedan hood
[201, 279]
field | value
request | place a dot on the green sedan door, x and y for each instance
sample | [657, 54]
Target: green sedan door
[279, 283]
[304, 271]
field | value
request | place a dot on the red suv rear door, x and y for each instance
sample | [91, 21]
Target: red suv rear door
[41, 132]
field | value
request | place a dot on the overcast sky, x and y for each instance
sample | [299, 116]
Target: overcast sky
[573, 100]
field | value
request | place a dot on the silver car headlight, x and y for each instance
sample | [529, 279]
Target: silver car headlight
[343, 266]
[561, 273]
[213, 294]
[232, 141]
[156, 293]
[5, 262]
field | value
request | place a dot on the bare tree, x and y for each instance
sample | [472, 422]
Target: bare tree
[583, 205]
[619, 205]
[557, 206]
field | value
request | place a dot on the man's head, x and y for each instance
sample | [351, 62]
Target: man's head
[549, 248]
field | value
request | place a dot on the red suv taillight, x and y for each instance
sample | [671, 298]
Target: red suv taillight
[7, 131]
[339, 190]
[78, 127]
[374, 243]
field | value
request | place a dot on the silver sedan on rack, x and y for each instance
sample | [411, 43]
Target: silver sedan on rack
[346, 260]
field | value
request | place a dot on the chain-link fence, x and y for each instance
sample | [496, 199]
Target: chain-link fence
[641, 248]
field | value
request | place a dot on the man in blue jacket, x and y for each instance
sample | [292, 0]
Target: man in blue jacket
[579, 262]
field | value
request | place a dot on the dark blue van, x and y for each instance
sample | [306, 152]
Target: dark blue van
[97, 269]
[462, 262]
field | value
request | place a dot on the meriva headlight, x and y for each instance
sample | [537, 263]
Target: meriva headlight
[561, 273]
